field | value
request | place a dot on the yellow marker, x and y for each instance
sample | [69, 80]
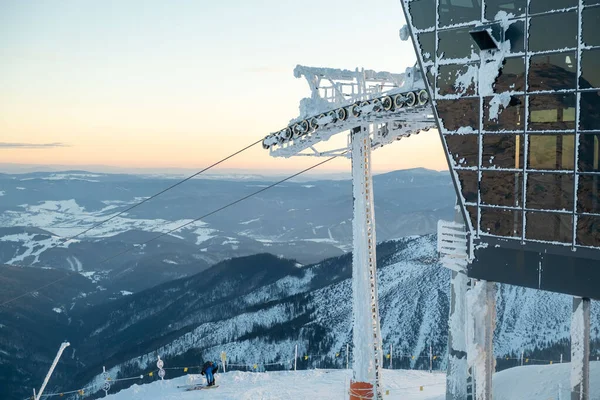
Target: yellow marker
[527, 360]
[434, 357]
[150, 374]
[388, 356]
[421, 388]
[61, 395]
[185, 369]
[108, 379]
[81, 392]
[413, 357]
[550, 362]
[255, 366]
[306, 357]
[507, 358]
[337, 354]
[387, 392]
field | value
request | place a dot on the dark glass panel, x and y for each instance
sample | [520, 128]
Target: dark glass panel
[457, 11]
[552, 112]
[510, 118]
[590, 69]
[549, 5]
[515, 7]
[590, 2]
[472, 213]
[553, 71]
[516, 35]
[589, 153]
[455, 114]
[457, 79]
[550, 191]
[468, 184]
[589, 117]
[501, 222]
[550, 227]
[588, 193]
[501, 188]
[502, 151]
[512, 76]
[463, 149]
[588, 230]
[551, 152]
[541, 28]
[427, 44]
[455, 43]
[590, 23]
[422, 13]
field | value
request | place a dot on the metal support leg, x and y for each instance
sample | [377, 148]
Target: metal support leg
[481, 306]
[580, 349]
[367, 334]
[457, 374]
[458, 380]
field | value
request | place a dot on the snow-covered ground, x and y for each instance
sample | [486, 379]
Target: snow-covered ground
[542, 382]
[67, 218]
[310, 384]
[535, 382]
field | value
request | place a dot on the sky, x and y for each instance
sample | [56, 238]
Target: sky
[182, 83]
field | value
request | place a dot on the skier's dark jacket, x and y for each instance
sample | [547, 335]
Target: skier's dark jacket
[207, 365]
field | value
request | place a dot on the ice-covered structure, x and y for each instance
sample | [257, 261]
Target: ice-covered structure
[372, 109]
[515, 88]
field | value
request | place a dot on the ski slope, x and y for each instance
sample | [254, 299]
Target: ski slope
[307, 384]
[534, 382]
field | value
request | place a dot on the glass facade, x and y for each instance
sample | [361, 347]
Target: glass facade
[521, 123]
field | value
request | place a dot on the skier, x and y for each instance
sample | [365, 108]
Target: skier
[209, 368]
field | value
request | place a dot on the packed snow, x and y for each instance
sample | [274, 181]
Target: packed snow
[308, 384]
[534, 382]
[541, 382]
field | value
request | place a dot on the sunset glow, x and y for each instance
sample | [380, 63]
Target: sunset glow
[180, 84]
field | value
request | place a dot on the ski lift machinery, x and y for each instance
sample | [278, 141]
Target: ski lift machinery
[373, 109]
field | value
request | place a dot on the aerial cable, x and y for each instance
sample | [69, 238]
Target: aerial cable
[183, 225]
[221, 208]
[35, 290]
[161, 192]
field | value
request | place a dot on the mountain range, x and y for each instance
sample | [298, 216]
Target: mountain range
[257, 309]
[307, 221]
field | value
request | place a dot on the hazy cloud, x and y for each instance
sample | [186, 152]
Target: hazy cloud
[5, 145]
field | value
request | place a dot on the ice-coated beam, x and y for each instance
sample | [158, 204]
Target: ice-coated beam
[580, 349]
[457, 375]
[457, 372]
[481, 321]
[366, 365]
[62, 348]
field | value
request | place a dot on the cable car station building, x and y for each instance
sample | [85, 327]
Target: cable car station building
[515, 90]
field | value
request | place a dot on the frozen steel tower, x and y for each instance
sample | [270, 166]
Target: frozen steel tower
[374, 109]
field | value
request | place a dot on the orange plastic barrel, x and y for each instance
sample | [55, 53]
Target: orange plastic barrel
[361, 390]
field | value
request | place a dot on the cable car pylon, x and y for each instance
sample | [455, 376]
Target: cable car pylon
[373, 109]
